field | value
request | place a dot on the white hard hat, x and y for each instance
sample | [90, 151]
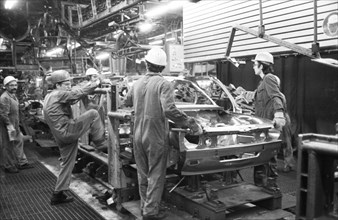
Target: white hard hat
[264, 57]
[91, 71]
[9, 79]
[156, 56]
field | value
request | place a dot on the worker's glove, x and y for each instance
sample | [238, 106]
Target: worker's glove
[279, 120]
[239, 90]
[11, 132]
[25, 104]
[98, 82]
[195, 127]
[231, 87]
[10, 127]
[249, 96]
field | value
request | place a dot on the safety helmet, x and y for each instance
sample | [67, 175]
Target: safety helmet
[9, 79]
[91, 71]
[59, 76]
[156, 56]
[264, 57]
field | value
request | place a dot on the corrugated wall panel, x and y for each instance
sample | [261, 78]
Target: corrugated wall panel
[207, 26]
[279, 27]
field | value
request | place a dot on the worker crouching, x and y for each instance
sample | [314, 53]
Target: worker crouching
[66, 129]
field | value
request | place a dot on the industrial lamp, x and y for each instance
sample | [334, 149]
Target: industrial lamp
[9, 4]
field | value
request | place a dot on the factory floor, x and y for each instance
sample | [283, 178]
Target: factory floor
[87, 188]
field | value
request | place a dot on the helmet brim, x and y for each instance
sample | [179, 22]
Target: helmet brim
[267, 63]
[68, 79]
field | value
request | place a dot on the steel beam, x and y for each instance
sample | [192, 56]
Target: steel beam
[294, 47]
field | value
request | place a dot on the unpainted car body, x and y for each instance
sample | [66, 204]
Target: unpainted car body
[225, 96]
[230, 140]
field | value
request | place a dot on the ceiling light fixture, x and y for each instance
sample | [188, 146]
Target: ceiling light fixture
[145, 26]
[160, 10]
[156, 42]
[102, 56]
[160, 42]
[9, 4]
[54, 52]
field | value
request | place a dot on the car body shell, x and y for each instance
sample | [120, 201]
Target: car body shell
[230, 140]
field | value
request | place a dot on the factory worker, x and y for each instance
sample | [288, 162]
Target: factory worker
[270, 104]
[286, 137]
[93, 101]
[153, 100]
[12, 137]
[66, 129]
[92, 74]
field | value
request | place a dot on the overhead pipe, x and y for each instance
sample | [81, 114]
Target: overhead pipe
[261, 28]
[315, 44]
[315, 20]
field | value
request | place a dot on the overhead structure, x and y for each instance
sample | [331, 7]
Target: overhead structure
[100, 15]
[208, 25]
[312, 53]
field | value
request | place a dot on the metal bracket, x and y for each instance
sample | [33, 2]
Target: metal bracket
[294, 47]
[312, 53]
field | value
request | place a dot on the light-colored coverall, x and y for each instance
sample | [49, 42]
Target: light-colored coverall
[153, 101]
[67, 130]
[12, 150]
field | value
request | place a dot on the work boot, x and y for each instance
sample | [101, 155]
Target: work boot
[272, 185]
[60, 197]
[25, 166]
[101, 145]
[11, 170]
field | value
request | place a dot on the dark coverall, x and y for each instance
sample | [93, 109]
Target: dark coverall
[7, 154]
[286, 136]
[67, 130]
[13, 152]
[153, 101]
[268, 100]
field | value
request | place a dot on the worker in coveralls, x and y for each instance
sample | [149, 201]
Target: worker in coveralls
[153, 99]
[286, 137]
[269, 103]
[14, 157]
[93, 101]
[66, 129]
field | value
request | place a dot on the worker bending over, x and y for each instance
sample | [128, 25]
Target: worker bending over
[153, 99]
[66, 129]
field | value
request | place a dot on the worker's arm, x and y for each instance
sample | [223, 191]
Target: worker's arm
[128, 101]
[4, 110]
[168, 104]
[248, 96]
[272, 89]
[173, 113]
[77, 93]
[4, 116]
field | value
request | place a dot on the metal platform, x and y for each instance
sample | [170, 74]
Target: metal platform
[26, 195]
[221, 200]
[171, 212]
